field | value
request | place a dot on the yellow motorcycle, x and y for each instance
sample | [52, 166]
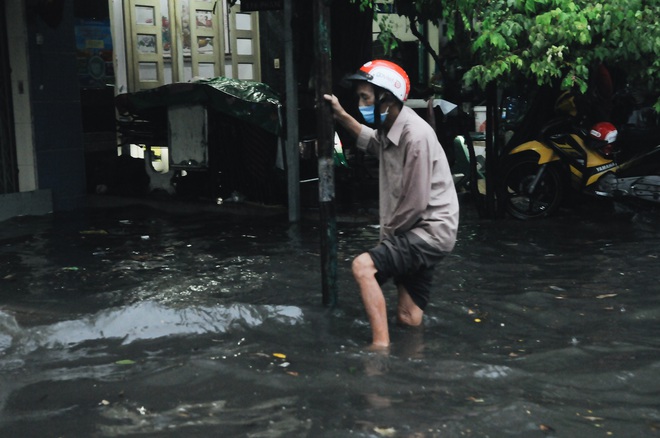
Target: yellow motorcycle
[536, 175]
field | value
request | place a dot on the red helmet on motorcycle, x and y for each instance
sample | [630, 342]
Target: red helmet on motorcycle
[602, 136]
[604, 131]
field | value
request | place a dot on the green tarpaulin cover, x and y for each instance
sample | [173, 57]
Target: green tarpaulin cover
[253, 102]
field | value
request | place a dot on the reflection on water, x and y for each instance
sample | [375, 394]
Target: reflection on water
[144, 321]
[136, 323]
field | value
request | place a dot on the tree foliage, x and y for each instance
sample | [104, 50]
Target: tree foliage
[551, 42]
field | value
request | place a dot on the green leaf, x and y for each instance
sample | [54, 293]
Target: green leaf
[530, 6]
[479, 42]
[498, 41]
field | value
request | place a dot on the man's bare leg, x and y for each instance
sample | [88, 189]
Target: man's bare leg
[364, 272]
[408, 313]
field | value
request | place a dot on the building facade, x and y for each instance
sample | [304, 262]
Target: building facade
[63, 61]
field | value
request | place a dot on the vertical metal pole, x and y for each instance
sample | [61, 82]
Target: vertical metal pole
[292, 153]
[325, 136]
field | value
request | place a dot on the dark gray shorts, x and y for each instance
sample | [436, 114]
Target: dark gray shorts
[410, 261]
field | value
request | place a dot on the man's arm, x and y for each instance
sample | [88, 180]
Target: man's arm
[340, 115]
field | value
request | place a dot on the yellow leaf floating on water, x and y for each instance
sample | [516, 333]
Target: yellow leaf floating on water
[279, 355]
[389, 431]
[546, 428]
[93, 232]
[600, 297]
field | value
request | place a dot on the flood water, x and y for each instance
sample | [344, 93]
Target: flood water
[139, 322]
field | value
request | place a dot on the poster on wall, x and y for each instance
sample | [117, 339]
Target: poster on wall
[94, 53]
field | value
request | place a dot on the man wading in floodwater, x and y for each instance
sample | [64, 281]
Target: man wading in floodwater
[418, 202]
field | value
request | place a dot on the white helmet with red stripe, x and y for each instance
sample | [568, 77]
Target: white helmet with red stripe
[387, 75]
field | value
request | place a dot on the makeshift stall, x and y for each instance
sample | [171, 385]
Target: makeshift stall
[222, 135]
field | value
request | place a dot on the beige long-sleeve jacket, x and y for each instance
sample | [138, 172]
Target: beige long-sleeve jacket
[415, 182]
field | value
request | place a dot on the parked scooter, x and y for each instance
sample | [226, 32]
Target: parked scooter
[536, 175]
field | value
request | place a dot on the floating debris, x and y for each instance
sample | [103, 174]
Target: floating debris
[101, 232]
[546, 428]
[600, 297]
[389, 431]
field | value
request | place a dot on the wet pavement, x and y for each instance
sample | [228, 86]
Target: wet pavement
[183, 322]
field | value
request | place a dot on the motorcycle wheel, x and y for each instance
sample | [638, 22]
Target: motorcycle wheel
[517, 178]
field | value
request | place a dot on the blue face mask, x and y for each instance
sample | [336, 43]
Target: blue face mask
[368, 113]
